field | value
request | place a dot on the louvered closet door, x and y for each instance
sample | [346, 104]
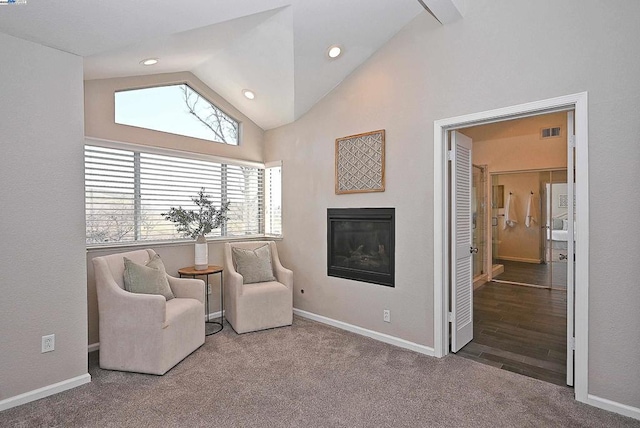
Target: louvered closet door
[461, 244]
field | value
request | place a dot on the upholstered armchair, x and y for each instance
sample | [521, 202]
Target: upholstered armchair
[256, 301]
[146, 333]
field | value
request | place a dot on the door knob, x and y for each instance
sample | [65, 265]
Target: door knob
[563, 257]
[473, 250]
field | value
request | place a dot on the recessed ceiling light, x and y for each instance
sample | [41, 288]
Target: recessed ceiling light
[249, 94]
[149, 61]
[334, 51]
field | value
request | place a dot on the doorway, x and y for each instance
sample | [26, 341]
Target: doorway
[519, 323]
[444, 251]
[534, 250]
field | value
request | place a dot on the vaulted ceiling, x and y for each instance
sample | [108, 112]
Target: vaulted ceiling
[276, 48]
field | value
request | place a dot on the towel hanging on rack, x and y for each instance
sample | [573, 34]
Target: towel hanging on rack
[510, 219]
[531, 212]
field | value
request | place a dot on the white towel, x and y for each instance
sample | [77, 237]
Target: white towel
[531, 212]
[510, 219]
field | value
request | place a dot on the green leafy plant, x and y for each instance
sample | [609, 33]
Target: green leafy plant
[201, 221]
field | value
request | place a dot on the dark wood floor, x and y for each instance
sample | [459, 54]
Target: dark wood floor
[520, 329]
[547, 275]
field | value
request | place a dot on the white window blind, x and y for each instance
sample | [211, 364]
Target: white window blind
[273, 200]
[127, 191]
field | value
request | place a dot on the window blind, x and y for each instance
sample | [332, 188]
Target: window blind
[127, 191]
[273, 200]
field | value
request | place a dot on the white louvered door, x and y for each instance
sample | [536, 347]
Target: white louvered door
[461, 243]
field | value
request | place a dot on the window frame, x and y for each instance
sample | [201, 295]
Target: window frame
[194, 88]
[190, 156]
[268, 212]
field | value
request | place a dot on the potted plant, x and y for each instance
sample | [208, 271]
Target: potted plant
[197, 223]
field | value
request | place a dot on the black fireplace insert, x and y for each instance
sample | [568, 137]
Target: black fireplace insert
[360, 244]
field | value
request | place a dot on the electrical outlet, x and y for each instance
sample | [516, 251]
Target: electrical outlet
[208, 288]
[386, 315]
[48, 343]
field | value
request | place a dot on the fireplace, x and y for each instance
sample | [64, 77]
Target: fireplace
[361, 244]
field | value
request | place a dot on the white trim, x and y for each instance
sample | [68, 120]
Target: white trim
[613, 406]
[391, 340]
[43, 392]
[119, 145]
[577, 102]
[440, 244]
[212, 315]
[581, 315]
[179, 242]
[93, 347]
[273, 164]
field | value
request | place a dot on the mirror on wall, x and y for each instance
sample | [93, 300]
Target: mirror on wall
[497, 196]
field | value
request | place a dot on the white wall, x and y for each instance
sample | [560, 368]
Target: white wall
[100, 122]
[42, 256]
[503, 53]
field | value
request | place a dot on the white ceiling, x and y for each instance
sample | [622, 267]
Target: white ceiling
[277, 48]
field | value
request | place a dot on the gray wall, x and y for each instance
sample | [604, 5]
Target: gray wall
[503, 53]
[42, 255]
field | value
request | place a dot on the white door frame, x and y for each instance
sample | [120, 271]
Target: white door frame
[441, 259]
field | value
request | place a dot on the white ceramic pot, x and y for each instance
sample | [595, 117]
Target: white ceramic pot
[202, 253]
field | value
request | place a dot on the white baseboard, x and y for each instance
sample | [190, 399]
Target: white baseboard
[613, 406]
[43, 392]
[94, 346]
[392, 340]
[213, 316]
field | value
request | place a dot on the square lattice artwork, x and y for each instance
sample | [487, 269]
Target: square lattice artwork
[360, 163]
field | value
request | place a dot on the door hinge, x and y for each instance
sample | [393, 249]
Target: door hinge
[572, 141]
[572, 343]
[450, 316]
[450, 155]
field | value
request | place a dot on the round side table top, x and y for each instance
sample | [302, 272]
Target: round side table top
[191, 270]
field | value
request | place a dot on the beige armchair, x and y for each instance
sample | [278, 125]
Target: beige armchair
[257, 306]
[144, 332]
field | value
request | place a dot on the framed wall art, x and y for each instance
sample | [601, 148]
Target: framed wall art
[360, 163]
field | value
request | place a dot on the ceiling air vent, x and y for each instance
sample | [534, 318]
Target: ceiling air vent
[550, 132]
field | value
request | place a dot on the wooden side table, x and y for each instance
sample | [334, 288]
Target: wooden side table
[191, 271]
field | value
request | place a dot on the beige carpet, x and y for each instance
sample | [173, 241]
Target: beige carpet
[312, 375]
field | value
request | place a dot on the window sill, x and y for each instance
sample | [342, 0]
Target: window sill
[177, 243]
